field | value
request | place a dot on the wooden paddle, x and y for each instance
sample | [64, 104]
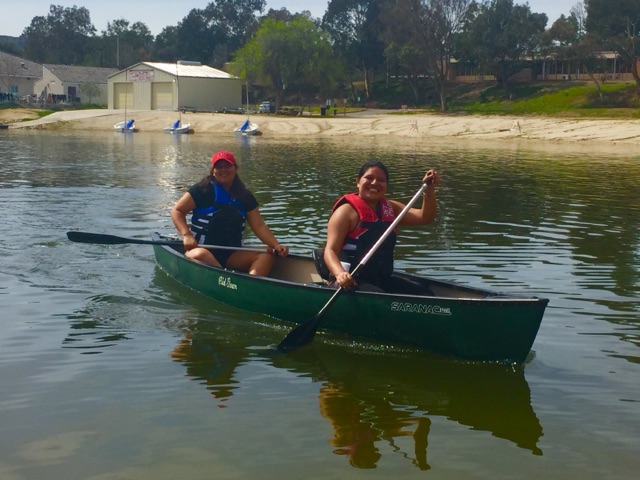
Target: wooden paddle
[85, 237]
[304, 333]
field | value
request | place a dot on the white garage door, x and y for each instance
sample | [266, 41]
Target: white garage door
[162, 96]
[123, 95]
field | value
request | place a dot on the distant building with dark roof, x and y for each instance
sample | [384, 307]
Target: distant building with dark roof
[28, 81]
[18, 75]
[64, 81]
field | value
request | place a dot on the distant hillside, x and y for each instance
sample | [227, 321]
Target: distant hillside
[13, 45]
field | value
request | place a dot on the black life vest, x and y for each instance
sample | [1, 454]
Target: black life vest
[221, 223]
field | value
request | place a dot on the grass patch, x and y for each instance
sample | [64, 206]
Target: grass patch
[43, 113]
[562, 98]
[618, 100]
[582, 100]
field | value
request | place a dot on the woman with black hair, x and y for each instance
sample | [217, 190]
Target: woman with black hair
[359, 219]
[220, 205]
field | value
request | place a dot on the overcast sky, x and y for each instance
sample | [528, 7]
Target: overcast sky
[157, 14]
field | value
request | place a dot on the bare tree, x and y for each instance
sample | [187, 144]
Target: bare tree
[617, 25]
[437, 23]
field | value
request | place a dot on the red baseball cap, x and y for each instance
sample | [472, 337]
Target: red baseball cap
[223, 155]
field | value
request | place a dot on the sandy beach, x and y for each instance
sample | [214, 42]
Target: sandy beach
[369, 123]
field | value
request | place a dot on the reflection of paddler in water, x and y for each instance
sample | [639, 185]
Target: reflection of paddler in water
[371, 398]
[204, 361]
[356, 428]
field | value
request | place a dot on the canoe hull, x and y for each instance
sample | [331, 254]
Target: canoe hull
[476, 324]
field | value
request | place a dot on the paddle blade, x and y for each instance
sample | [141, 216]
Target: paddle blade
[84, 237]
[301, 335]
[102, 239]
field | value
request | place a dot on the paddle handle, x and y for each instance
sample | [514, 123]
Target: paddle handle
[304, 333]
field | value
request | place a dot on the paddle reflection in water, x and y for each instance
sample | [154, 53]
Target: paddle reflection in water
[372, 397]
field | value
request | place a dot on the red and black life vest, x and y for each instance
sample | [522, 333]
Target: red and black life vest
[370, 228]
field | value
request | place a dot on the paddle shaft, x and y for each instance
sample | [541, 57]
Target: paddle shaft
[104, 239]
[305, 332]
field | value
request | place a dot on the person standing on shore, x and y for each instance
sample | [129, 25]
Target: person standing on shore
[220, 205]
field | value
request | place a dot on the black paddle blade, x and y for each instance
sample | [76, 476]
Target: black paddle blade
[104, 239]
[85, 237]
[301, 335]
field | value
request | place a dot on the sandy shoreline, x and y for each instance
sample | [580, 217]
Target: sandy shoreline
[364, 124]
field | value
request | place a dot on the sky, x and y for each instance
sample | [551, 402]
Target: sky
[157, 14]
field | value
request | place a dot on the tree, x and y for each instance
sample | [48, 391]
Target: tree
[166, 45]
[501, 37]
[436, 25]
[403, 50]
[11, 45]
[132, 43]
[194, 40]
[211, 35]
[290, 55]
[60, 37]
[232, 23]
[568, 41]
[90, 90]
[559, 41]
[355, 30]
[616, 25]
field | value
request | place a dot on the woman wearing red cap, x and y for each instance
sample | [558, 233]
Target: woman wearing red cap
[220, 205]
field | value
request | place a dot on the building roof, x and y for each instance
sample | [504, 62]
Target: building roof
[12, 66]
[77, 74]
[186, 69]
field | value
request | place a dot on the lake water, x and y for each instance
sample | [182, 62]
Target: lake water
[111, 370]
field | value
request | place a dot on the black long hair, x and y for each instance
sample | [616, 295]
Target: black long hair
[237, 189]
[371, 164]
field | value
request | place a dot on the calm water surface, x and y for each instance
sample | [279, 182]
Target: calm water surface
[111, 370]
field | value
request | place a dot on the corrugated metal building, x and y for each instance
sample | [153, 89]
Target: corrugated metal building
[167, 86]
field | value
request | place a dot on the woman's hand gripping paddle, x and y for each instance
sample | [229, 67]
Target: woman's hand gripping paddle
[304, 333]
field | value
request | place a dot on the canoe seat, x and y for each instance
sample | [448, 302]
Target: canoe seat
[321, 267]
[295, 269]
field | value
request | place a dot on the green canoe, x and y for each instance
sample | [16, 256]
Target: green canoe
[456, 320]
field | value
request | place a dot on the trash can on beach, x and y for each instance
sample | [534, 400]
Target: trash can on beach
[323, 111]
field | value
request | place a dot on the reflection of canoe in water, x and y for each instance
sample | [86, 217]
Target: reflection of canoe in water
[456, 320]
[484, 396]
[372, 396]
